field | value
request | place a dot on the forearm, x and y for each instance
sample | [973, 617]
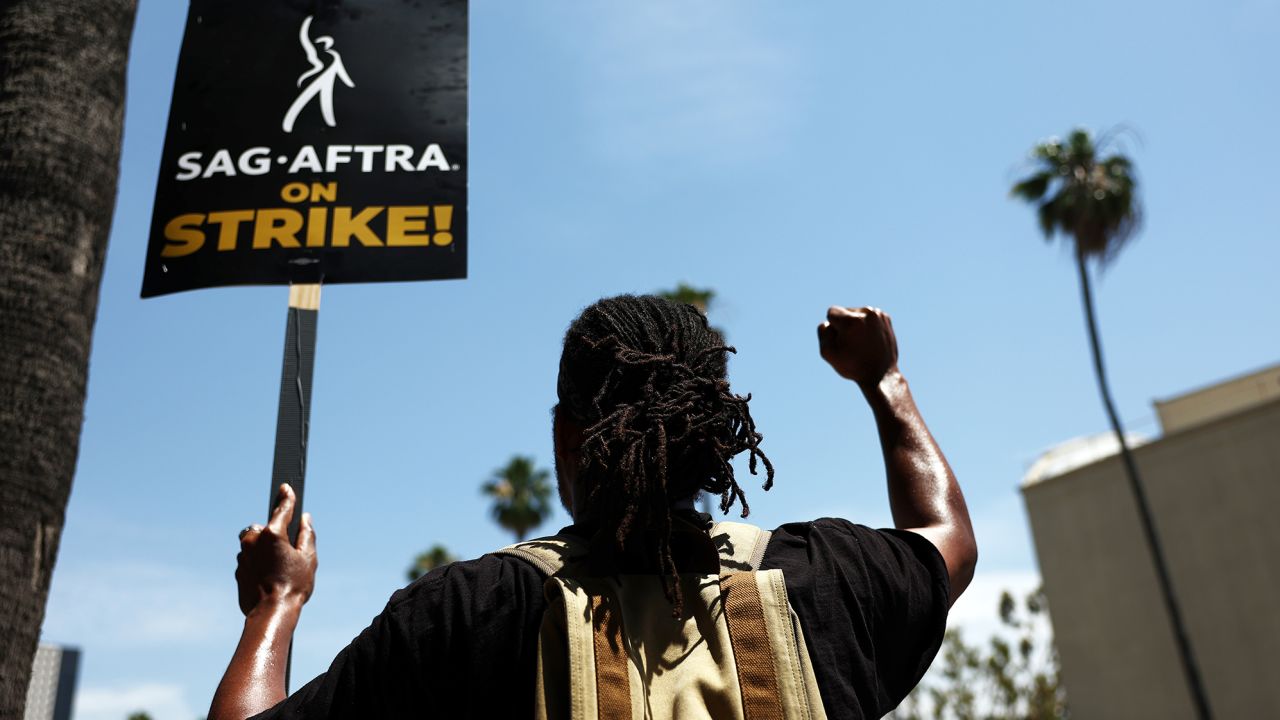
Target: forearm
[923, 493]
[255, 679]
[922, 488]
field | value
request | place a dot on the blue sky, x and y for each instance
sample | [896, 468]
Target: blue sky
[789, 155]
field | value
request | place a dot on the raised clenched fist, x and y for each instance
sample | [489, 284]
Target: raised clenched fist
[859, 343]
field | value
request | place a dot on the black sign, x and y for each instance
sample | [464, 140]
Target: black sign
[314, 141]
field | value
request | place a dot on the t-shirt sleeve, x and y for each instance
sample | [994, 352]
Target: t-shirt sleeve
[439, 641]
[872, 604]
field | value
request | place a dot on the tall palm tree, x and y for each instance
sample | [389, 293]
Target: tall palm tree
[521, 495]
[61, 117]
[436, 556]
[1092, 202]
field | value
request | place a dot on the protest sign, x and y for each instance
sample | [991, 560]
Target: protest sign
[310, 142]
[314, 141]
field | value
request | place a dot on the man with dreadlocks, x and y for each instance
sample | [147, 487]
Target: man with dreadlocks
[645, 422]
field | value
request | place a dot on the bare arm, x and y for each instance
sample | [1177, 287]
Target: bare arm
[275, 578]
[923, 493]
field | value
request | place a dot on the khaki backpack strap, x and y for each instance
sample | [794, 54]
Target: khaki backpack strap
[613, 682]
[549, 554]
[752, 653]
[741, 546]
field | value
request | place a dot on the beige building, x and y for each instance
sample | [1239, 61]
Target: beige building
[1213, 482]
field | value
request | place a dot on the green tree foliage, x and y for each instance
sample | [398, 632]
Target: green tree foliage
[521, 495]
[701, 298]
[1088, 200]
[430, 559]
[1014, 678]
[686, 293]
[140, 715]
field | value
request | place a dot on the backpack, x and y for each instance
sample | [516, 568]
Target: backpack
[608, 646]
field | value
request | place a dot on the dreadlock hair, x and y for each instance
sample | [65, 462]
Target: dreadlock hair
[647, 380]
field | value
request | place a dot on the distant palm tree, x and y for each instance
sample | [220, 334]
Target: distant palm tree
[699, 298]
[521, 496]
[429, 560]
[1092, 201]
[686, 293]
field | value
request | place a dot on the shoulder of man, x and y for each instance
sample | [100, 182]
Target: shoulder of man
[872, 603]
[447, 638]
[491, 578]
[831, 539]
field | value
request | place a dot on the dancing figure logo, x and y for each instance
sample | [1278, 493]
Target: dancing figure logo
[322, 77]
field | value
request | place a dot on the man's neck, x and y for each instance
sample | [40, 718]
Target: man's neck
[685, 504]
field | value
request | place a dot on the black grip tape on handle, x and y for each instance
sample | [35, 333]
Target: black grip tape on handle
[293, 422]
[294, 418]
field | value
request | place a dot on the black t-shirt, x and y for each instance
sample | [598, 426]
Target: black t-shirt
[462, 640]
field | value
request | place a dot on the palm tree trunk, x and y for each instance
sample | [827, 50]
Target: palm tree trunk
[1189, 666]
[62, 71]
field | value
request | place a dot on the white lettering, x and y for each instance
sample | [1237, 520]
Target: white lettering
[433, 157]
[221, 163]
[366, 156]
[398, 158]
[189, 163]
[255, 161]
[307, 159]
[336, 155]
[258, 160]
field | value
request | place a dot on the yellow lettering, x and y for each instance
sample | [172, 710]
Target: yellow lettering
[229, 230]
[444, 225]
[294, 192]
[278, 224]
[344, 226]
[188, 239]
[327, 192]
[317, 220]
[402, 221]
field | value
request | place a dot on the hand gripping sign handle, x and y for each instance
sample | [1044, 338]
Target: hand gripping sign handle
[294, 417]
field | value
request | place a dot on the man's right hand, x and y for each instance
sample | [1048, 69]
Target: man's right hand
[859, 343]
[275, 578]
[269, 567]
